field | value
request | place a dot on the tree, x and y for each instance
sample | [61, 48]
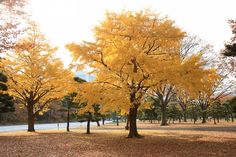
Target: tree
[131, 53]
[230, 108]
[88, 113]
[6, 101]
[163, 93]
[215, 111]
[36, 77]
[183, 100]
[194, 110]
[12, 17]
[230, 48]
[174, 112]
[69, 103]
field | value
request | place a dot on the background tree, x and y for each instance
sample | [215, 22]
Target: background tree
[215, 111]
[11, 13]
[194, 110]
[36, 77]
[174, 112]
[163, 94]
[230, 48]
[89, 113]
[12, 22]
[131, 53]
[230, 108]
[69, 102]
[6, 101]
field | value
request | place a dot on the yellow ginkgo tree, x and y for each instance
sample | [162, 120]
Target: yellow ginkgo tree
[36, 76]
[132, 52]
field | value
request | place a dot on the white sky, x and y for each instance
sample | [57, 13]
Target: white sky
[65, 21]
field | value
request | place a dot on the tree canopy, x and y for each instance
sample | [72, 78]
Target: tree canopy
[36, 76]
[132, 53]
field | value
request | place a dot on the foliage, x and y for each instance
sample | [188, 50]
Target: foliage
[230, 48]
[6, 101]
[133, 52]
[12, 17]
[36, 77]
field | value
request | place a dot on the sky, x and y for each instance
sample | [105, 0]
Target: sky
[66, 21]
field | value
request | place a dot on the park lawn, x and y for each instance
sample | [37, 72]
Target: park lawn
[176, 140]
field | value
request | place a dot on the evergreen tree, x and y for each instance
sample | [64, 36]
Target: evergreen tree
[6, 101]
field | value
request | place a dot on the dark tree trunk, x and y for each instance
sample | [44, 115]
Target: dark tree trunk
[163, 115]
[127, 123]
[214, 120]
[218, 119]
[117, 121]
[185, 115]
[133, 124]
[232, 117]
[88, 123]
[68, 120]
[204, 116]
[103, 121]
[31, 118]
[98, 124]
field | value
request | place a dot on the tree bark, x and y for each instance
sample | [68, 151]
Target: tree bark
[133, 124]
[232, 117]
[88, 123]
[204, 116]
[163, 115]
[117, 121]
[127, 123]
[98, 124]
[68, 121]
[214, 120]
[185, 115]
[103, 121]
[31, 118]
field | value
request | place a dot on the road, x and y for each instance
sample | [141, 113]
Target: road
[49, 126]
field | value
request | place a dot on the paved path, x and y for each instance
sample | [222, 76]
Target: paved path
[12, 128]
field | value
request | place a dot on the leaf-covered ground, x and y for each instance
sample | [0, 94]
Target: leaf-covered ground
[176, 140]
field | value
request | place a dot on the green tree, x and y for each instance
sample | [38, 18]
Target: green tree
[215, 111]
[230, 108]
[69, 102]
[6, 101]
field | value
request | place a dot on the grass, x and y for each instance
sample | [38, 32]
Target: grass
[176, 140]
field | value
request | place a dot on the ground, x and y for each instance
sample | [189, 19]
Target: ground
[175, 140]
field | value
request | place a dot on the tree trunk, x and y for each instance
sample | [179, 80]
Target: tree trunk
[88, 123]
[232, 117]
[204, 116]
[103, 121]
[31, 118]
[163, 115]
[98, 124]
[68, 121]
[185, 115]
[127, 123]
[214, 120]
[133, 124]
[117, 121]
